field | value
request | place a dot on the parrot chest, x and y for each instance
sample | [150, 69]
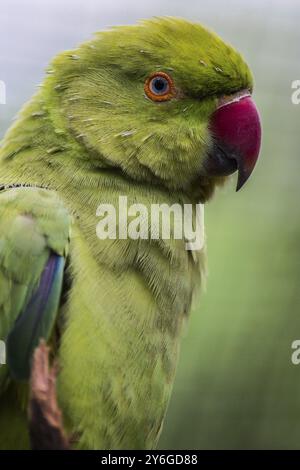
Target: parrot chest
[119, 350]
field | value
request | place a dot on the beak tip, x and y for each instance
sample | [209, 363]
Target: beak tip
[239, 185]
[242, 179]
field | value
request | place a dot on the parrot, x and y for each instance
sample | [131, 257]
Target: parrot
[160, 112]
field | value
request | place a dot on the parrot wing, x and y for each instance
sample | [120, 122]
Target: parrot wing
[34, 240]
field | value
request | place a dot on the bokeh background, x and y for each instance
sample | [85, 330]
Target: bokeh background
[236, 386]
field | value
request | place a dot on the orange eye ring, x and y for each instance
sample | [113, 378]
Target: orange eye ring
[159, 87]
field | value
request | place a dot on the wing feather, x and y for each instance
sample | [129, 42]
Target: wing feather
[34, 241]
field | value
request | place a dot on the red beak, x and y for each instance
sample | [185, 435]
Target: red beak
[236, 130]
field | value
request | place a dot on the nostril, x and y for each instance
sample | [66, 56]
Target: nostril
[235, 97]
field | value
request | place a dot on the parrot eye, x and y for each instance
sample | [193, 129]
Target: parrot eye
[159, 87]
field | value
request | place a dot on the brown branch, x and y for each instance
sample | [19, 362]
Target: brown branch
[45, 419]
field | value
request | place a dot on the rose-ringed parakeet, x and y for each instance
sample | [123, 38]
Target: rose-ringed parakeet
[160, 112]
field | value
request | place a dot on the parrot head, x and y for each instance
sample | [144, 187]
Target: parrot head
[165, 101]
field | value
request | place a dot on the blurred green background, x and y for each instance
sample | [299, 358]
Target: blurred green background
[236, 386]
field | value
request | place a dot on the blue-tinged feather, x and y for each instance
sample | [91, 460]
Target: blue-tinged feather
[36, 320]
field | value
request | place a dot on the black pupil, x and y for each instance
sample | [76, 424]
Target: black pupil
[160, 84]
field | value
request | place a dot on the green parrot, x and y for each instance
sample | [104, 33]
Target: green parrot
[159, 112]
